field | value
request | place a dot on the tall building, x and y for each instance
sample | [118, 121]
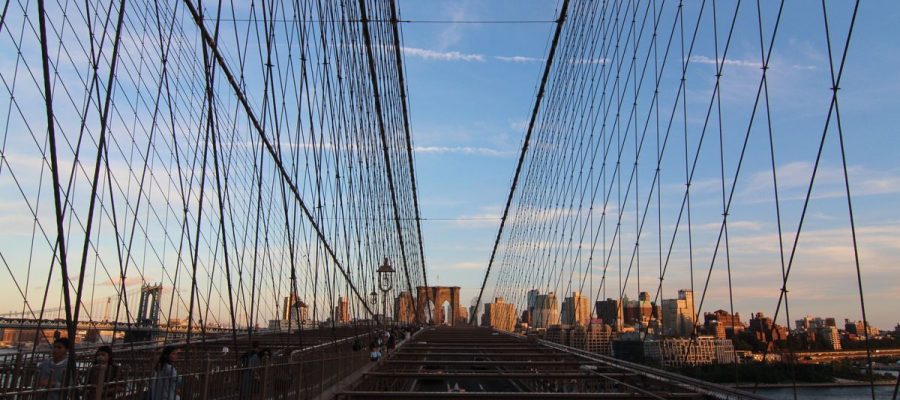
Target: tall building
[462, 317]
[576, 310]
[531, 298]
[808, 323]
[342, 311]
[859, 328]
[767, 331]
[678, 314]
[639, 312]
[722, 324]
[295, 313]
[499, 315]
[610, 312]
[830, 336]
[295, 310]
[546, 310]
[526, 318]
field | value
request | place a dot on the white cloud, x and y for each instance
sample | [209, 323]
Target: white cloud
[729, 61]
[829, 181]
[488, 217]
[601, 61]
[442, 55]
[452, 34]
[519, 59]
[519, 125]
[742, 225]
[483, 151]
[741, 63]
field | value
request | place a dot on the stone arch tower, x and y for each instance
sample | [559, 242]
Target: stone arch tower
[438, 294]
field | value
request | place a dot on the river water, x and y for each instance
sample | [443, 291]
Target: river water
[844, 393]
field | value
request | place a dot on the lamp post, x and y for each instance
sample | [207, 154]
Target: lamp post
[385, 283]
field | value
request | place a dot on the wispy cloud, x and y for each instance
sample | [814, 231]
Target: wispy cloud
[482, 151]
[452, 34]
[829, 181]
[487, 217]
[742, 225]
[519, 59]
[741, 63]
[442, 55]
[601, 60]
[519, 125]
[727, 61]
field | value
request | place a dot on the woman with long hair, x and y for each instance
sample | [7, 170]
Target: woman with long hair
[102, 377]
[166, 383]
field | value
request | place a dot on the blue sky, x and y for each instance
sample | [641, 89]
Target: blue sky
[472, 87]
[471, 92]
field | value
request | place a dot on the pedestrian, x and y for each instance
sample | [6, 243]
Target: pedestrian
[102, 376]
[249, 362]
[166, 383]
[52, 371]
[375, 354]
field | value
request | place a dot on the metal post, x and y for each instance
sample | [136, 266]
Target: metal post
[204, 380]
[264, 379]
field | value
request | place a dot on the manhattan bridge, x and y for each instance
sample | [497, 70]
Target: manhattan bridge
[222, 176]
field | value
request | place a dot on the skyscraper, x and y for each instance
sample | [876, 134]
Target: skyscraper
[610, 312]
[639, 312]
[722, 324]
[546, 310]
[532, 298]
[678, 314]
[295, 310]
[294, 314]
[499, 314]
[576, 310]
[342, 311]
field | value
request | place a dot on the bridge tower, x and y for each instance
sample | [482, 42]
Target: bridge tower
[147, 314]
[439, 295]
[148, 308]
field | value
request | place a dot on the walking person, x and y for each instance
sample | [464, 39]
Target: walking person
[166, 383]
[375, 354]
[103, 376]
[249, 363]
[52, 371]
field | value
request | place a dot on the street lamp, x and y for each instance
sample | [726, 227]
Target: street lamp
[373, 298]
[385, 283]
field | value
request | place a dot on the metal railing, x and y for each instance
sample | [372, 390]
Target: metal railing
[298, 374]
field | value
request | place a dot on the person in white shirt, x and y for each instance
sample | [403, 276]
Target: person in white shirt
[52, 371]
